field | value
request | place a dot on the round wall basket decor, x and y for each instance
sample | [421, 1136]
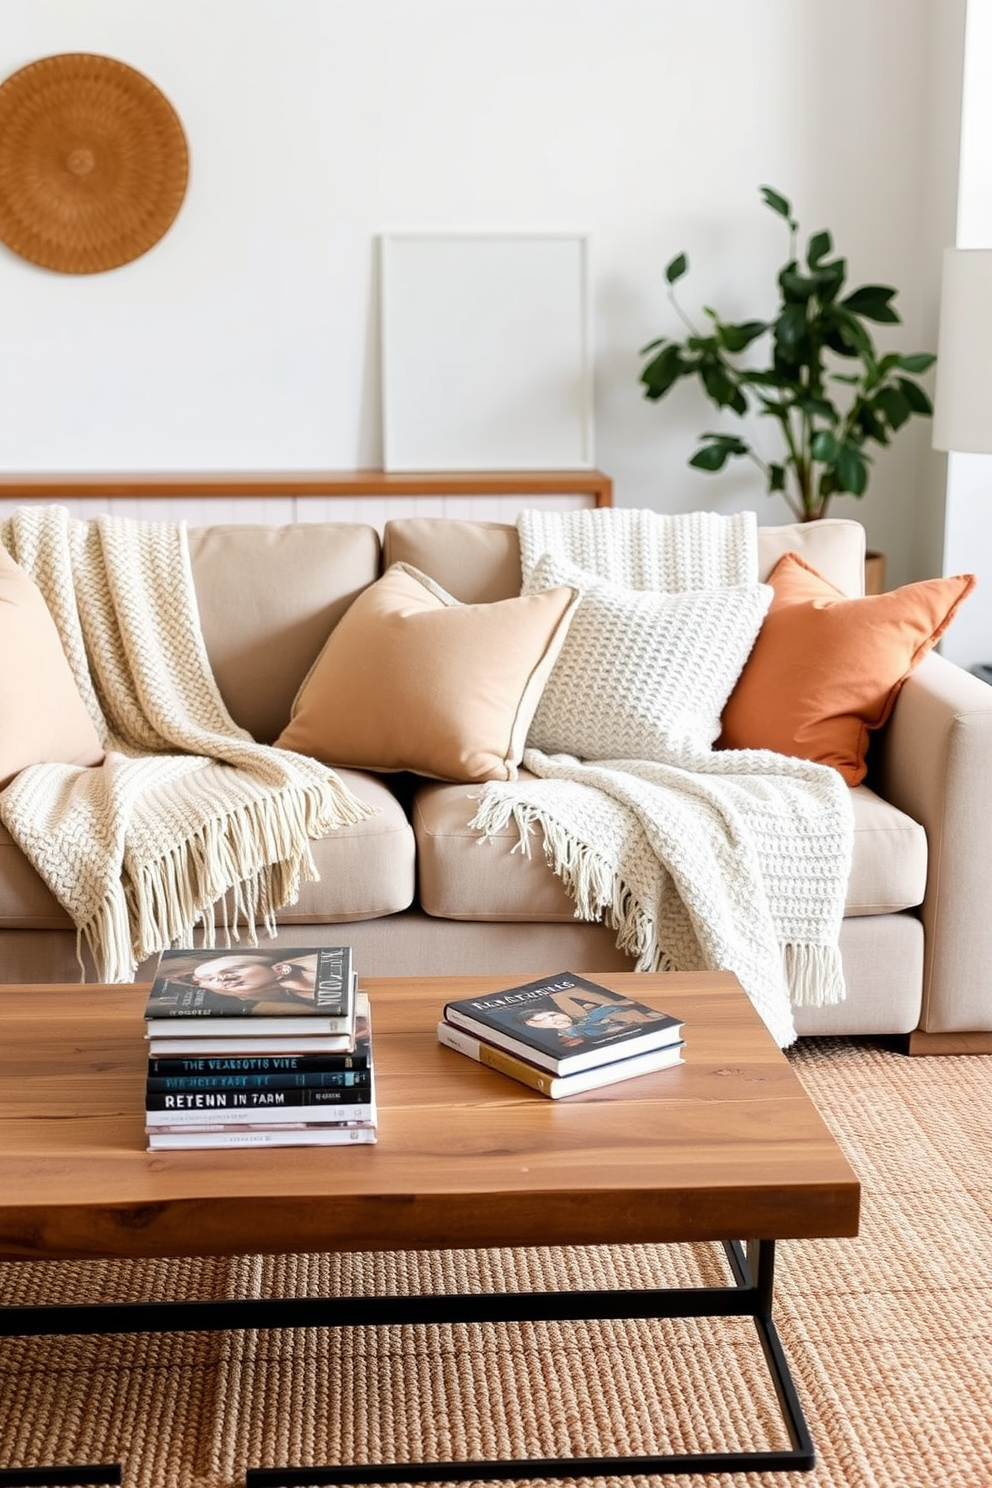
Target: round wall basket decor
[93, 163]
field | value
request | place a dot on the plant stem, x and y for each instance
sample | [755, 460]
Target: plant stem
[681, 313]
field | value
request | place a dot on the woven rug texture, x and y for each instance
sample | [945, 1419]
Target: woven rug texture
[889, 1336]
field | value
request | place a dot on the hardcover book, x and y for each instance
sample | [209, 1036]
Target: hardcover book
[200, 1109]
[557, 1086]
[217, 1063]
[565, 1023]
[222, 993]
[344, 1079]
[347, 1134]
[273, 1047]
[274, 1044]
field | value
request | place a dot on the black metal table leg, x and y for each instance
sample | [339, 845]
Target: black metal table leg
[750, 1295]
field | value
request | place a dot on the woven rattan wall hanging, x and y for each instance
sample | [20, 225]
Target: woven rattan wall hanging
[93, 163]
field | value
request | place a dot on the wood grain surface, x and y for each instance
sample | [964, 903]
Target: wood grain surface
[726, 1145]
[56, 486]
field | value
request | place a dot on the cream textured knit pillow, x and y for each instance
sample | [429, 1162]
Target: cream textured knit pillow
[643, 675]
[410, 679]
[43, 719]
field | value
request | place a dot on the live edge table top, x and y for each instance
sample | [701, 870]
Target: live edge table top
[725, 1146]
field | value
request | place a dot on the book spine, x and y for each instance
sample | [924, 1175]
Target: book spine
[268, 1064]
[315, 1080]
[353, 1102]
[263, 1116]
[227, 1025]
[497, 1059]
[335, 982]
[263, 1137]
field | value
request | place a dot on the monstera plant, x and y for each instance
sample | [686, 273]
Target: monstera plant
[822, 381]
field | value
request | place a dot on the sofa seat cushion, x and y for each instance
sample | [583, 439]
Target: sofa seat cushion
[366, 870]
[461, 878]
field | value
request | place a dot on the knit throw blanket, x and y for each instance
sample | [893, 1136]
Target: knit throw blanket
[701, 859]
[186, 809]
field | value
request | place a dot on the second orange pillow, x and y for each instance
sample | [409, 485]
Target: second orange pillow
[826, 669]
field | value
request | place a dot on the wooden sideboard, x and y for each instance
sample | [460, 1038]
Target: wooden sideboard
[289, 496]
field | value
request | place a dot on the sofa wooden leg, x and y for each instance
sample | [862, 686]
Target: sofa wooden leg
[949, 1043]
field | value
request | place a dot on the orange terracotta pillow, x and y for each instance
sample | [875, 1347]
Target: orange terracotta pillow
[43, 720]
[826, 670]
[410, 679]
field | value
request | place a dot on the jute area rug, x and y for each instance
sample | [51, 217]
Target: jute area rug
[889, 1336]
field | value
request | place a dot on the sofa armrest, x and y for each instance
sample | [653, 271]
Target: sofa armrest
[934, 761]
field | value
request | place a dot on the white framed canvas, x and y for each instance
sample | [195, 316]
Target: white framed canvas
[486, 351]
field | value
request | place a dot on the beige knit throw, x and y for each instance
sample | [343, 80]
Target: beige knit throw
[187, 808]
[700, 859]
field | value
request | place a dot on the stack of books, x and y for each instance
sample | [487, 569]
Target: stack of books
[562, 1034]
[256, 1049]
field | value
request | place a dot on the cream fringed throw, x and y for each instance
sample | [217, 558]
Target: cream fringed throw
[700, 859]
[187, 807]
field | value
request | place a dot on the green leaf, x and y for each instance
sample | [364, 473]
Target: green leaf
[871, 426]
[820, 245]
[851, 470]
[851, 378]
[845, 334]
[894, 405]
[735, 338]
[760, 377]
[914, 395]
[714, 456]
[676, 268]
[829, 278]
[652, 345]
[777, 203]
[917, 361]
[818, 408]
[721, 387]
[665, 370]
[790, 328]
[824, 447]
[776, 478]
[871, 302]
[796, 286]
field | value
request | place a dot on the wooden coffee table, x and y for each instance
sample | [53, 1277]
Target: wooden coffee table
[725, 1147]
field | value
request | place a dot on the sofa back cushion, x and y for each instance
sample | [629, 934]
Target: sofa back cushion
[269, 597]
[478, 562]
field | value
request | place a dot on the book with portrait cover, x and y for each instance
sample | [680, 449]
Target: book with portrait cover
[223, 992]
[565, 1023]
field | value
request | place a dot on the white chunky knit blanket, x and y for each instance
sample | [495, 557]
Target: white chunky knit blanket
[186, 808]
[702, 860]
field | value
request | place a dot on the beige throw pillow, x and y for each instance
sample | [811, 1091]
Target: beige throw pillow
[410, 679]
[43, 720]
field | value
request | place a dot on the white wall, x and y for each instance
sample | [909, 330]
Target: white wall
[968, 532]
[247, 338]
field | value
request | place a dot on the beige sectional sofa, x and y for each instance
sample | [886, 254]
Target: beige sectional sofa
[412, 889]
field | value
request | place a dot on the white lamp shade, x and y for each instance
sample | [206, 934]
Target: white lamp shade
[963, 399]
